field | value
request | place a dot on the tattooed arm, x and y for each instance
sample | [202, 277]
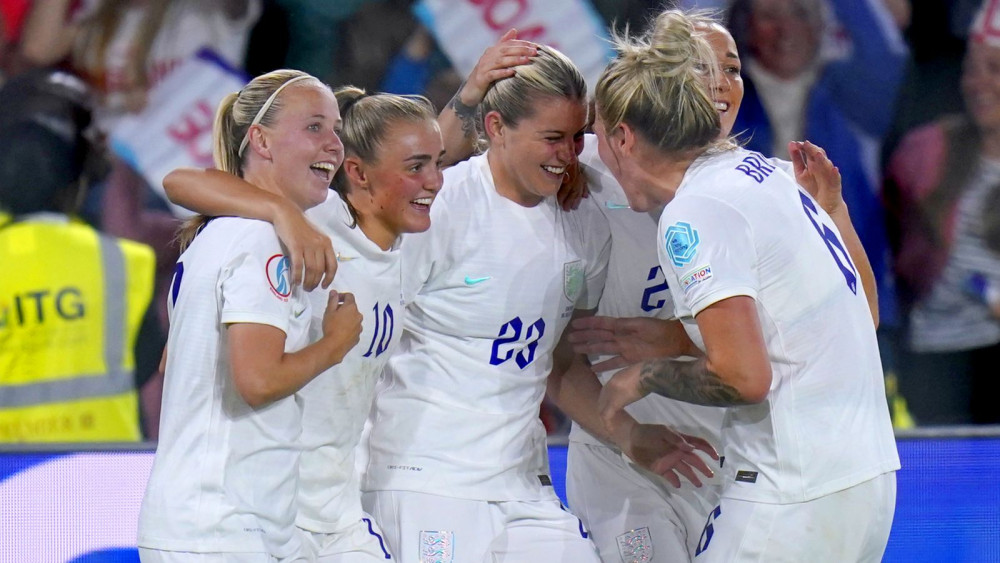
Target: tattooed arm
[735, 370]
[458, 118]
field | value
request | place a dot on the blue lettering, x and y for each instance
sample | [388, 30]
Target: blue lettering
[502, 339]
[522, 359]
[383, 330]
[833, 244]
[526, 353]
[756, 167]
[752, 173]
[175, 284]
[647, 294]
[708, 531]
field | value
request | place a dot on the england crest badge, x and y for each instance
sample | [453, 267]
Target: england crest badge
[636, 546]
[437, 547]
[573, 279]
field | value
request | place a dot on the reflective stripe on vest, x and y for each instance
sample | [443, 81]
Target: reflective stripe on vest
[82, 386]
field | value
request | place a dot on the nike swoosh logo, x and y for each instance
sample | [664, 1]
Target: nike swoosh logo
[613, 205]
[342, 258]
[474, 281]
[299, 313]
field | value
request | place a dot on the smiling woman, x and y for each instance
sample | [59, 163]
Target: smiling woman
[457, 446]
[390, 176]
[239, 342]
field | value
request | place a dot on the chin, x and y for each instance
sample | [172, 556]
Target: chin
[416, 225]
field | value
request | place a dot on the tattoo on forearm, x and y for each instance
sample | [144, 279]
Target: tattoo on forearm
[466, 115]
[690, 382]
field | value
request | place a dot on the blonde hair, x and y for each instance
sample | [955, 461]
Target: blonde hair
[658, 84]
[367, 119]
[257, 102]
[549, 74]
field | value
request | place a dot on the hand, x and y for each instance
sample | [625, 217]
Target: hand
[497, 62]
[573, 189]
[669, 454]
[308, 248]
[629, 340]
[620, 391]
[341, 323]
[815, 172]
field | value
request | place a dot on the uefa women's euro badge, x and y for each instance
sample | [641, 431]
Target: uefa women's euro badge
[681, 242]
[573, 279]
[437, 547]
[636, 546]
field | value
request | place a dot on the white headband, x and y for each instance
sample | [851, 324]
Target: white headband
[263, 109]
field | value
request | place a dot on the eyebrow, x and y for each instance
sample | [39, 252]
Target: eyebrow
[419, 158]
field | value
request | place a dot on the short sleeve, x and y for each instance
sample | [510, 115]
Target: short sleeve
[256, 283]
[706, 252]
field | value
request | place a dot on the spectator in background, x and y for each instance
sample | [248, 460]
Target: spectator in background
[123, 48]
[844, 105]
[419, 66]
[12, 13]
[71, 310]
[943, 185]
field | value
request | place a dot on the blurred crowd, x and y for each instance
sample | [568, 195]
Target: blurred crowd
[903, 98]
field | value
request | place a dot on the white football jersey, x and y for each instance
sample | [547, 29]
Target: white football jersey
[636, 287]
[225, 474]
[489, 289]
[337, 403]
[739, 225]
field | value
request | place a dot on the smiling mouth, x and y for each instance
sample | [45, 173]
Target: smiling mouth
[422, 203]
[324, 170]
[557, 170]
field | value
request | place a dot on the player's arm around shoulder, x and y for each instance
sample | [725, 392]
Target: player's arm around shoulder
[708, 256]
[258, 309]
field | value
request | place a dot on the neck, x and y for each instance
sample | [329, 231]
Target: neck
[377, 232]
[369, 223]
[507, 186]
[259, 176]
[661, 176]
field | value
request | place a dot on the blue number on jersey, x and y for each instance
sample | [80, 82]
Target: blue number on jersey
[708, 531]
[383, 330]
[526, 353]
[175, 284]
[833, 244]
[652, 290]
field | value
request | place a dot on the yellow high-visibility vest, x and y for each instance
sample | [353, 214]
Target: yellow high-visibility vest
[71, 302]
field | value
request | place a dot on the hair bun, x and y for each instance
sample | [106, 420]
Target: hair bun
[347, 96]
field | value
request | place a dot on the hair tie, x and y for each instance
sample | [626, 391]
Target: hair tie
[350, 103]
[263, 109]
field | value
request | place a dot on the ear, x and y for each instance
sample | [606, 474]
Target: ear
[258, 142]
[623, 139]
[357, 176]
[495, 127]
